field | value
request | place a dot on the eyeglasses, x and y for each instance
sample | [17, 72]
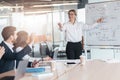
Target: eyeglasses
[71, 14]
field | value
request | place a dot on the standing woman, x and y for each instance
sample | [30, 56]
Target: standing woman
[73, 33]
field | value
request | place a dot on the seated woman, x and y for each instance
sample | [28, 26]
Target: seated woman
[2, 51]
[22, 40]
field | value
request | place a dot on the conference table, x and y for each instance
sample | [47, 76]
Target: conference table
[92, 70]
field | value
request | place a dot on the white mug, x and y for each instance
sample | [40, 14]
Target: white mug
[82, 60]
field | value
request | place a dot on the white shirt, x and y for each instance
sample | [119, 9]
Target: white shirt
[26, 57]
[73, 32]
[9, 45]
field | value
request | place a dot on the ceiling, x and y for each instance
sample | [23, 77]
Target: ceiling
[37, 1]
[35, 5]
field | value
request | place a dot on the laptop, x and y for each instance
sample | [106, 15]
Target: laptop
[21, 69]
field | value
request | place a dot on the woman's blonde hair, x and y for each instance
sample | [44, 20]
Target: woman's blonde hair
[22, 37]
[72, 10]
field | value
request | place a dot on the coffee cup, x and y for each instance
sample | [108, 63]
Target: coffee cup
[82, 60]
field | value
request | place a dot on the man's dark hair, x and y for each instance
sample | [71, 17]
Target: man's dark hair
[8, 31]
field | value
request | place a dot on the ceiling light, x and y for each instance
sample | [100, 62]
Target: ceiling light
[10, 7]
[63, 4]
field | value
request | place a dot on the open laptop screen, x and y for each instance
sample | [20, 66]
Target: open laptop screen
[21, 69]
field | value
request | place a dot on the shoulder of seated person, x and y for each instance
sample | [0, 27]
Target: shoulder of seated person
[18, 49]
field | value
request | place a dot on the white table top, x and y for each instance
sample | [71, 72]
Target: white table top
[92, 70]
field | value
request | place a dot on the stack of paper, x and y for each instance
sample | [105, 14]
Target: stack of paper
[39, 69]
[35, 70]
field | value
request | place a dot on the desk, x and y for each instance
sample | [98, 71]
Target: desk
[93, 70]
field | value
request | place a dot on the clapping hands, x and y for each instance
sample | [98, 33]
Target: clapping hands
[2, 51]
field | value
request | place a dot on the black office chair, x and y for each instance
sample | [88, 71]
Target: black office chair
[46, 50]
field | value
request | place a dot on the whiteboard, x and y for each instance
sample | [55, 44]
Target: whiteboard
[108, 32]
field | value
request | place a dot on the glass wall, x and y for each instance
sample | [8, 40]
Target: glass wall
[5, 18]
[40, 23]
